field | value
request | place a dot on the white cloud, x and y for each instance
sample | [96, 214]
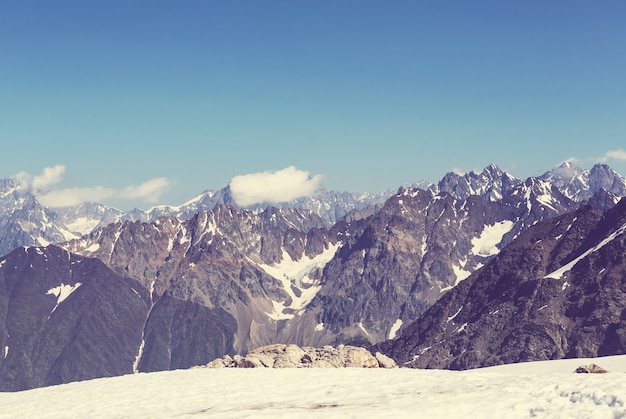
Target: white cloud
[609, 155]
[43, 182]
[43, 187]
[150, 190]
[615, 155]
[74, 196]
[273, 187]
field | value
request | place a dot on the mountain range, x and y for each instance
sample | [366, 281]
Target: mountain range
[25, 222]
[174, 287]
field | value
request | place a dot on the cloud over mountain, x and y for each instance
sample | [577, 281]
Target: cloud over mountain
[616, 155]
[273, 186]
[36, 184]
[611, 155]
[45, 187]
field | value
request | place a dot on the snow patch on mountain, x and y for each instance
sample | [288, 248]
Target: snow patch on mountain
[83, 225]
[461, 274]
[486, 243]
[62, 292]
[93, 247]
[558, 274]
[294, 276]
[394, 329]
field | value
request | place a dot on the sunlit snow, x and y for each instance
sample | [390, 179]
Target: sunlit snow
[538, 389]
[454, 315]
[490, 237]
[42, 242]
[62, 292]
[460, 273]
[558, 274]
[295, 274]
[394, 329]
[83, 225]
[93, 247]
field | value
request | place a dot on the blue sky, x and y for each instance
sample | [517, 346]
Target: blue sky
[157, 101]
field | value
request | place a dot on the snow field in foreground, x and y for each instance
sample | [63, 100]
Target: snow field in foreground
[540, 389]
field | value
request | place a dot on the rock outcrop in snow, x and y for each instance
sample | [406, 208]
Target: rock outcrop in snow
[590, 369]
[293, 356]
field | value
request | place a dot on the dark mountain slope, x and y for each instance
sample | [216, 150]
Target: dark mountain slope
[65, 318]
[559, 290]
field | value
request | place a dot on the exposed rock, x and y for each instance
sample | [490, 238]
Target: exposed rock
[73, 320]
[558, 291]
[590, 369]
[290, 357]
[384, 361]
[293, 356]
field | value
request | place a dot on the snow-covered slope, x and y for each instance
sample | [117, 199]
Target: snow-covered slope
[581, 184]
[540, 389]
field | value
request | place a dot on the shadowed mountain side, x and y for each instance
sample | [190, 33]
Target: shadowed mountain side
[68, 318]
[558, 291]
[181, 334]
[65, 318]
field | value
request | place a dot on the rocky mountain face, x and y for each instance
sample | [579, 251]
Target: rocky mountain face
[580, 184]
[256, 267]
[393, 265]
[25, 222]
[559, 290]
[285, 281]
[228, 280]
[67, 318]
[492, 183]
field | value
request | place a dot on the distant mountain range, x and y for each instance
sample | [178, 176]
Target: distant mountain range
[174, 287]
[31, 224]
[25, 222]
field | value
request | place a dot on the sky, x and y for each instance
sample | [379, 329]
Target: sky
[139, 103]
[546, 389]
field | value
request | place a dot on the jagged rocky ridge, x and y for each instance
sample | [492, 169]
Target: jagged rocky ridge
[39, 226]
[324, 206]
[228, 259]
[558, 291]
[24, 221]
[358, 281]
